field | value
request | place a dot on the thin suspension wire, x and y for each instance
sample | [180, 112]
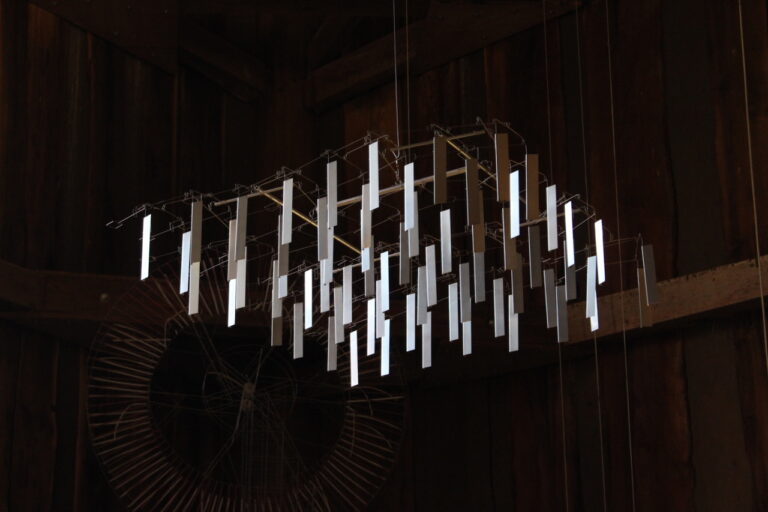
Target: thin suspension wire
[394, 61]
[621, 272]
[407, 80]
[752, 182]
[551, 176]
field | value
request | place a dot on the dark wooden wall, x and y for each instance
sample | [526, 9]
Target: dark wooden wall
[87, 131]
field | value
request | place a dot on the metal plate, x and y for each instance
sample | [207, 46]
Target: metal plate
[551, 196]
[501, 145]
[421, 295]
[331, 181]
[242, 267]
[649, 269]
[506, 241]
[277, 308]
[600, 251]
[590, 287]
[353, 376]
[384, 274]
[516, 277]
[570, 280]
[184, 270]
[146, 236]
[570, 253]
[195, 244]
[276, 338]
[308, 299]
[513, 343]
[371, 327]
[474, 207]
[379, 312]
[373, 174]
[479, 269]
[409, 195]
[465, 300]
[231, 302]
[550, 301]
[431, 276]
[346, 285]
[514, 204]
[413, 234]
[338, 312]
[410, 322]
[385, 350]
[365, 219]
[322, 228]
[194, 288]
[532, 186]
[562, 314]
[439, 169]
[478, 238]
[287, 226]
[534, 256]
[232, 251]
[426, 342]
[325, 297]
[498, 307]
[445, 242]
[404, 262]
[453, 311]
[466, 338]
[331, 344]
[298, 330]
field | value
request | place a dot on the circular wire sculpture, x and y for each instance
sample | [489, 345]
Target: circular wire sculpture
[186, 413]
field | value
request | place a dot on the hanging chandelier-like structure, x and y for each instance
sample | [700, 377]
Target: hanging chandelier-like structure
[423, 229]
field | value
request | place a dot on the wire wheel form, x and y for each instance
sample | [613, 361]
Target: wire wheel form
[187, 414]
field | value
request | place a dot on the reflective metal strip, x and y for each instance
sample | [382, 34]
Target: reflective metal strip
[409, 197]
[242, 267]
[331, 181]
[308, 292]
[331, 344]
[551, 196]
[379, 312]
[453, 312]
[498, 307]
[431, 276]
[373, 174]
[371, 327]
[385, 350]
[196, 230]
[384, 275]
[353, 377]
[501, 145]
[570, 280]
[479, 269]
[464, 295]
[146, 233]
[231, 302]
[277, 304]
[600, 252]
[282, 287]
[276, 339]
[426, 342]
[410, 322]
[421, 295]
[287, 226]
[365, 220]
[466, 338]
[649, 269]
[413, 234]
[474, 209]
[184, 270]
[325, 295]
[591, 286]
[514, 204]
[562, 314]
[298, 330]
[322, 228]
[532, 186]
[338, 312]
[550, 301]
[439, 169]
[347, 293]
[506, 242]
[534, 256]
[445, 242]
[569, 251]
[478, 238]
[194, 288]
[514, 326]
[403, 259]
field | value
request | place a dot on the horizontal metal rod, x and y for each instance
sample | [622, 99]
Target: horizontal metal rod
[429, 142]
[259, 192]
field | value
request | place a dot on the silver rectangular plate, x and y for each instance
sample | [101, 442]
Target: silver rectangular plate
[353, 376]
[410, 322]
[322, 228]
[501, 145]
[562, 314]
[194, 288]
[426, 342]
[466, 338]
[508, 245]
[551, 196]
[384, 275]
[298, 330]
[474, 213]
[184, 270]
[600, 251]
[325, 297]
[479, 268]
[346, 284]
[232, 302]
[453, 312]
[532, 186]
[498, 307]
[649, 269]
[277, 332]
[379, 312]
[373, 173]
[385, 350]
[331, 344]
[570, 280]
[514, 204]
[439, 169]
[308, 292]
[146, 234]
[534, 256]
[445, 242]
[242, 226]
[464, 295]
[421, 295]
[365, 259]
[514, 326]
[550, 301]
[277, 309]
[371, 328]
[287, 227]
[431, 276]
[365, 218]
[242, 267]
[403, 259]
[196, 230]
[591, 286]
[369, 282]
[570, 253]
[409, 197]
[331, 181]
[413, 233]
[338, 312]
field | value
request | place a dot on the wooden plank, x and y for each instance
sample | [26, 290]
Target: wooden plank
[451, 30]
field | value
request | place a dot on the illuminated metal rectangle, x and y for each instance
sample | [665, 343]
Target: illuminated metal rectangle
[308, 299]
[338, 312]
[379, 312]
[439, 169]
[353, 374]
[287, 226]
[550, 301]
[649, 269]
[453, 311]
[591, 286]
[600, 251]
[410, 322]
[413, 233]
[431, 276]
[426, 342]
[232, 300]
[365, 218]
[384, 275]
[242, 267]
[330, 245]
[322, 228]
[404, 262]
[464, 295]
[369, 285]
[514, 204]
[371, 327]
[409, 197]
[421, 295]
[184, 270]
[276, 338]
[594, 322]
[562, 314]
[365, 259]
[194, 288]
[445, 242]
[282, 287]
[507, 244]
[479, 268]
[551, 196]
[501, 145]
[498, 307]
[516, 276]
[277, 308]
[298, 330]
[474, 208]
[385, 350]
[478, 238]
[570, 280]
[534, 256]
[569, 249]
[331, 182]
[146, 234]
[373, 174]
[514, 326]
[346, 284]
[242, 226]
[331, 344]
[532, 186]
[196, 230]
[325, 297]
[466, 338]
[282, 250]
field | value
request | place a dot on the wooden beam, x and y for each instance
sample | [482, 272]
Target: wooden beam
[450, 30]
